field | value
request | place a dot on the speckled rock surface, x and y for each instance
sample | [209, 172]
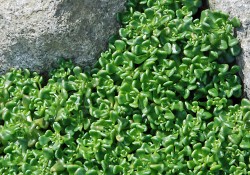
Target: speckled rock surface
[35, 33]
[240, 9]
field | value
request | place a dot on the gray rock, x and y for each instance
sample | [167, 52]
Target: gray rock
[36, 33]
[240, 9]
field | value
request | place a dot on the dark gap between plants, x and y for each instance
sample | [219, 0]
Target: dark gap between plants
[1, 122]
[46, 78]
[204, 6]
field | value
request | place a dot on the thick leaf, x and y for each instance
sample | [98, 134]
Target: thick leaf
[213, 92]
[169, 115]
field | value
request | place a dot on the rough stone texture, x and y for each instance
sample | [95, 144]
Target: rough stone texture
[35, 33]
[240, 9]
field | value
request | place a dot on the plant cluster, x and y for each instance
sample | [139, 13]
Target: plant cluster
[165, 98]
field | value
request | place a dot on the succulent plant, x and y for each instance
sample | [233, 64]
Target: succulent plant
[165, 98]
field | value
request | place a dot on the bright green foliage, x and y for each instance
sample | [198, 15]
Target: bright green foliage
[161, 100]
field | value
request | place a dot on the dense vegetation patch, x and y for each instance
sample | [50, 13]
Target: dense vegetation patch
[165, 98]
